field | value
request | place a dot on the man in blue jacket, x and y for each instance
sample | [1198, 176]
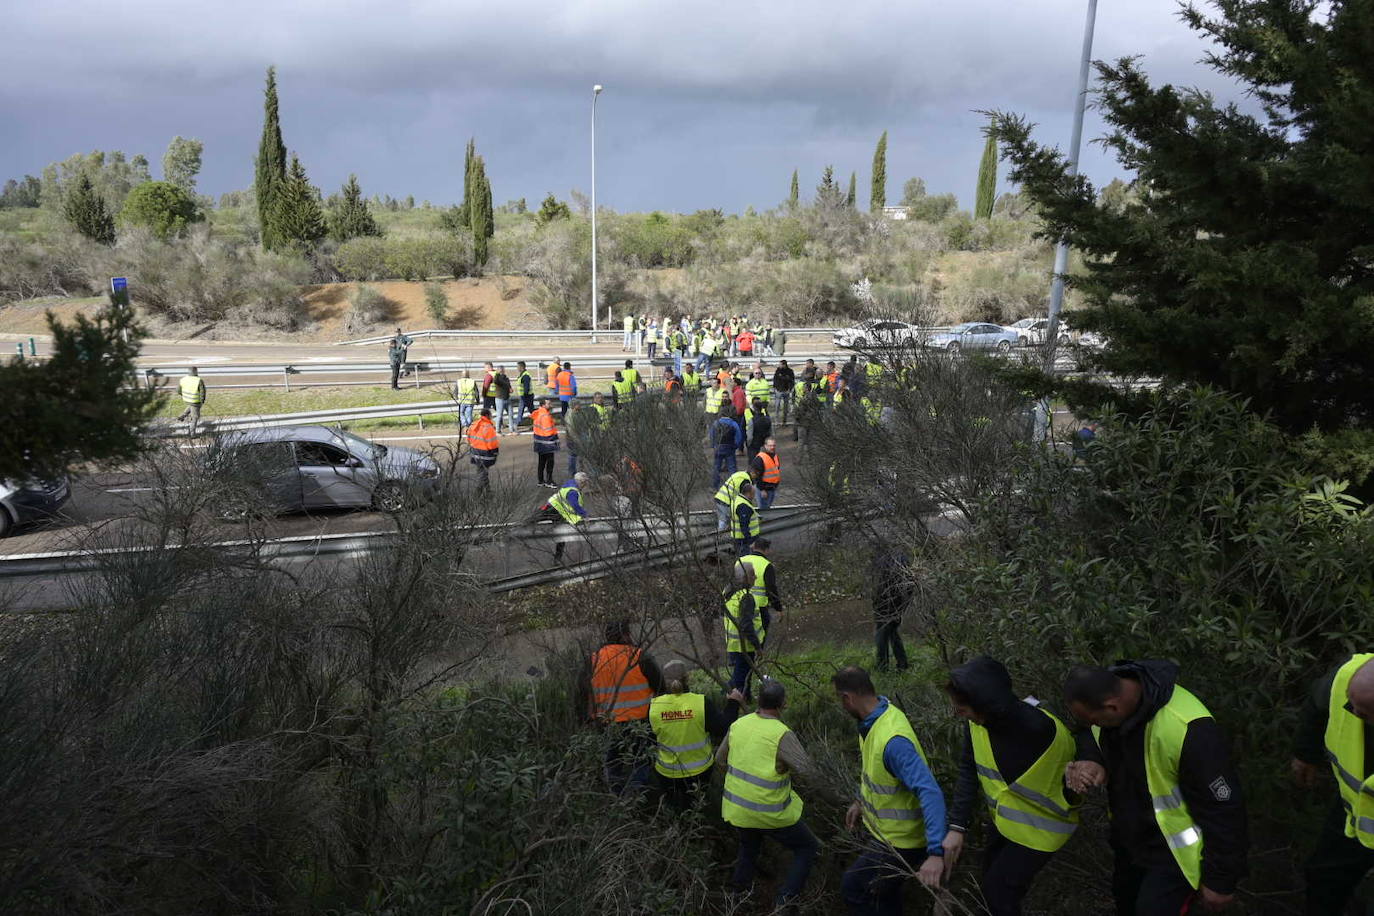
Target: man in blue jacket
[727, 438]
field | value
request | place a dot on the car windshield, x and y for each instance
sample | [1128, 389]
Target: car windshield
[966, 326]
[360, 446]
[1024, 323]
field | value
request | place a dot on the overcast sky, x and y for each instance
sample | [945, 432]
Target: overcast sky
[707, 104]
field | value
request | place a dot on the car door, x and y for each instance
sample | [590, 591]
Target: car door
[329, 476]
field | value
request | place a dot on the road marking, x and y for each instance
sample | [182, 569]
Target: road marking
[140, 489]
[412, 438]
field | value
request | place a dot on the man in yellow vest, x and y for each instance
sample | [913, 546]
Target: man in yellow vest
[760, 755]
[900, 804]
[466, 395]
[1014, 761]
[745, 627]
[1178, 821]
[192, 389]
[685, 726]
[1332, 733]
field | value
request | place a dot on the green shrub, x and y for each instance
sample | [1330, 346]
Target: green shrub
[160, 207]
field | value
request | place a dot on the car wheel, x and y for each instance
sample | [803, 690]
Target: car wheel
[390, 496]
[1003, 346]
[952, 349]
[6, 523]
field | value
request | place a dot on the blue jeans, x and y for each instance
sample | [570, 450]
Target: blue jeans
[628, 341]
[677, 361]
[784, 399]
[465, 415]
[766, 497]
[572, 464]
[498, 412]
[797, 838]
[872, 886]
[726, 464]
[653, 345]
[703, 361]
[741, 666]
[519, 408]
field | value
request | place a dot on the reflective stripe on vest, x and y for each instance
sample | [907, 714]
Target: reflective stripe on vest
[619, 689]
[730, 489]
[735, 531]
[192, 389]
[772, 469]
[482, 437]
[679, 724]
[733, 640]
[1031, 811]
[1344, 741]
[756, 794]
[892, 812]
[544, 428]
[759, 564]
[467, 391]
[565, 384]
[758, 388]
[560, 502]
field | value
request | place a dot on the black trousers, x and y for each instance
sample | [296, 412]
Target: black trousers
[1008, 870]
[395, 373]
[545, 469]
[1143, 891]
[889, 636]
[1336, 868]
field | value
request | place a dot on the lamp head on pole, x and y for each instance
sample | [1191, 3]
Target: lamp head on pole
[596, 90]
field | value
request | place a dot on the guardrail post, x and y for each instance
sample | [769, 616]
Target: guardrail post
[417, 375]
[421, 418]
[19, 347]
[33, 347]
[286, 377]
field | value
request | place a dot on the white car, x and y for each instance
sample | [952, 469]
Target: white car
[877, 333]
[1030, 332]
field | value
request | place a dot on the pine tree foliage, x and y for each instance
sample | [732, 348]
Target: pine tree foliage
[85, 210]
[987, 181]
[851, 198]
[482, 218]
[351, 218]
[463, 218]
[297, 215]
[552, 209]
[271, 165]
[1244, 262]
[877, 195]
[828, 193]
[794, 195]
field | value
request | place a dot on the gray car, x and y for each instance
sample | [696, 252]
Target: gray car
[30, 501]
[971, 335]
[291, 468]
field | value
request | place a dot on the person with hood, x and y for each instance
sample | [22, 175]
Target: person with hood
[1015, 757]
[726, 439]
[1178, 827]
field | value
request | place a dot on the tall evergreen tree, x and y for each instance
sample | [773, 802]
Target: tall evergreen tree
[271, 165]
[351, 218]
[297, 216]
[794, 196]
[463, 217]
[987, 181]
[828, 193]
[852, 198]
[1245, 262]
[86, 211]
[877, 194]
[479, 200]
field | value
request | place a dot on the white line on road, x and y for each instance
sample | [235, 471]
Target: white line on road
[139, 489]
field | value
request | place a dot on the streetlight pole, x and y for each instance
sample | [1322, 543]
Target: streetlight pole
[1061, 253]
[596, 91]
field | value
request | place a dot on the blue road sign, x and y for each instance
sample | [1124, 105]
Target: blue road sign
[119, 284]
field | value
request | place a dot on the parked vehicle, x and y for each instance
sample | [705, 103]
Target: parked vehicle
[291, 468]
[30, 501]
[971, 335]
[877, 334]
[1030, 332]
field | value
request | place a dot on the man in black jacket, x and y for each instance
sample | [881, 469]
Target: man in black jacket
[1148, 878]
[1019, 735]
[784, 380]
[1339, 863]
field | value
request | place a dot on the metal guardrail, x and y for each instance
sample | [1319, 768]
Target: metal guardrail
[607, 332]
[300, 547]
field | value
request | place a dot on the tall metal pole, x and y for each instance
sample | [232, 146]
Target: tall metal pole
[596, 90]
[1061, 254]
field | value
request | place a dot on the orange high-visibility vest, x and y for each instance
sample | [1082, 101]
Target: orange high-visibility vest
[565, 389]
[772, 469]
[482, 438]
[544, 427]
[552, 374]
[619, 689]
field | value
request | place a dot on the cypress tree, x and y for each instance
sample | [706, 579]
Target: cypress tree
[86, 211]
[877, 195]
[296, 213]
[479, 198]
[987, 180]
[271, 165]
[464, 214]
[794, 197]
[352, 218]
[851, 198]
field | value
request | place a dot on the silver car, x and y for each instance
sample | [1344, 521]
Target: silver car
[30, 501]
[290, 468]
[972, 335]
